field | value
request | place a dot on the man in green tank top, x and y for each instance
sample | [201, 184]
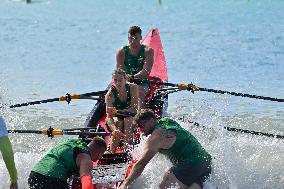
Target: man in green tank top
[191, 163]
[136, 60]
[69, 157]
[121, 96]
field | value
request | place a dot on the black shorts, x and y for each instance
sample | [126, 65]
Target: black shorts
[189, 173]
[39, 181]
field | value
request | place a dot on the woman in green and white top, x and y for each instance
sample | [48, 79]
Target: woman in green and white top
[7, 153]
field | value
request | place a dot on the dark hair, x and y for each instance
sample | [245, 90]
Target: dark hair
[119, 72]
[99, 143]
[134, 29]
[144, 115]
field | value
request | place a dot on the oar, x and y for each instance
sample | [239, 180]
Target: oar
[52, 132]
[254, 132]
[243, 130]
[66, 98]
[130, 114]
[191, 87]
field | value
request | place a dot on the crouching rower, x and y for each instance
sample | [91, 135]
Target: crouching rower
[65, 159]
[191, 163]
[7, 153]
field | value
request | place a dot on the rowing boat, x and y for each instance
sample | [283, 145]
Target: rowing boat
[112, 169]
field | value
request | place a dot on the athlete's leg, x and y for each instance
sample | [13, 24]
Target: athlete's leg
[143, 92]
[169, 180]
[128, 129]
[114, 140]
[187, 175]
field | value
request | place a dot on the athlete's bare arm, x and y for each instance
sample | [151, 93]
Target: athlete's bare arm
[85, 165]
[134, 98]
[120, 59]
[109, 101]
[150, 150]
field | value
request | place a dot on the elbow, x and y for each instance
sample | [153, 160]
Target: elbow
[140, 165]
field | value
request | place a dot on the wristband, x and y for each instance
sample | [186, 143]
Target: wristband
[86, 181]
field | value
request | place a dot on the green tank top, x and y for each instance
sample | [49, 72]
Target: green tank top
[186, 148]
[134, 64]
[117, 102]
[59, 161]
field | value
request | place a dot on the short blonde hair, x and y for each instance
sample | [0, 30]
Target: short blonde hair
[119, 72]
[143, 115]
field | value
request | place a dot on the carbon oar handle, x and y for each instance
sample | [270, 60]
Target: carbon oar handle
[86, 133]
[123, 113]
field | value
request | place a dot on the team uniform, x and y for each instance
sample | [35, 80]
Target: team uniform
[53, 170]
[135, 63]
[191, 163]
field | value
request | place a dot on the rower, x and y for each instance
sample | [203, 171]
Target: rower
[121, 96]
[69, 157]
[7, 153]
[136, 60]
[191, 163]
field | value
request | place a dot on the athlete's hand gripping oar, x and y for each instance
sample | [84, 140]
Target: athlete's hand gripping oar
[66, 98]
[191, 87]
[124, 113]
[52, 132]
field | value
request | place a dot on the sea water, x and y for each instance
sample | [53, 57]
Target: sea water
[51, 47]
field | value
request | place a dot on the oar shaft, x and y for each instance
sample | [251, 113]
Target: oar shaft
[193, 88]
[85, 133]
[59, 132]
[67, 98]
[241, 94]
[242, 130]
[35, 102]
[254, 132]
[97, 93]
[25, 131]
